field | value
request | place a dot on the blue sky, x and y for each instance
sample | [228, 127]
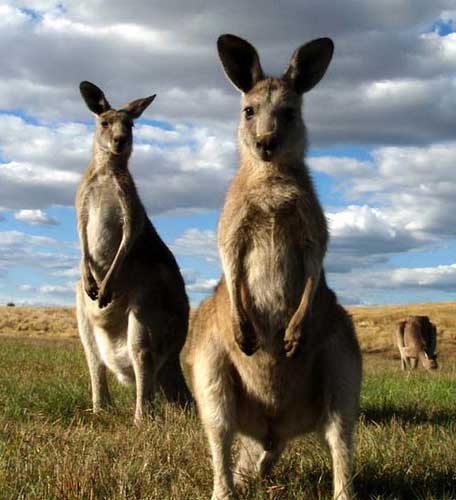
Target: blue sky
[381, 124]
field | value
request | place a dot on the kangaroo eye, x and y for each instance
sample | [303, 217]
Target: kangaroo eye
[104, 124]
[248, 112]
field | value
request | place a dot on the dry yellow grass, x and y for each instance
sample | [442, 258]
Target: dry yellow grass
[38, 321]
[375, 325]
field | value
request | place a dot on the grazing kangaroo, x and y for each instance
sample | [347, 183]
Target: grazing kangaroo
[417, 338]
[271, 355]
[132, 308]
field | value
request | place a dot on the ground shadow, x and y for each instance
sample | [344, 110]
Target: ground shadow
[371, 482]
[412, 415]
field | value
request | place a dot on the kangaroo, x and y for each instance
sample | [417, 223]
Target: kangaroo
[132, 308]
[271, 354]
[416, 338]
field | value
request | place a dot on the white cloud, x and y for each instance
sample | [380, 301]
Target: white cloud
[14, 239]
[369, 101]
[26, 288]
[11, 17]
[66, 289]
[195, 242]
[73, 272]
[186, 168]
[413, 186]
[440, 278]
[203, 286]
[35, 218]
[18, 249]
[197, 285]
[362, 230]
[340, 167]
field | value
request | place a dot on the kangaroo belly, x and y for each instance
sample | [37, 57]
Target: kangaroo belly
[114, 352]
[281, 392]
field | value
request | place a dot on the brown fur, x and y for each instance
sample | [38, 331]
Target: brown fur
[131, 303]
[271, 355]
[416, 339]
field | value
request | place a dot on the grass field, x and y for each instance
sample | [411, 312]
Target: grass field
[52, 447]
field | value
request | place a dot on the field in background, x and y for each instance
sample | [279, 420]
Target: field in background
[52, 447]
[375, 325]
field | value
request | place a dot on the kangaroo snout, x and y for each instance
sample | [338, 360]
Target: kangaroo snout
[119, 140]
[266, 146]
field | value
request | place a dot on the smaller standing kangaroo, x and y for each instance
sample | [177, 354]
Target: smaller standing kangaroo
[417, 338]
[132, 308]
[272, 355]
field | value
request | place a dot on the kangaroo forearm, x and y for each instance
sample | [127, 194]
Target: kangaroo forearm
[307, 297]
[118, 261]
[232, 263]
[133, 225]
[305, 303]
[232, 277]
[293, 333]
[84, 246]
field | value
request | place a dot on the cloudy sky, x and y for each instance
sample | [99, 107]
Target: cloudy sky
[382, 130]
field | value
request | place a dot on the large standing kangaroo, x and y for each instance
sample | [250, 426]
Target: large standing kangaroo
[132, 307]
[271, 355]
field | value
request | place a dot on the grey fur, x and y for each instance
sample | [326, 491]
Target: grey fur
[271, 355]
[132, 308]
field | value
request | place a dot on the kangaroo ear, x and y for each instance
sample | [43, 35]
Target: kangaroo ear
[309, 63]
[136, 108]
[94, 98]
[240, 62]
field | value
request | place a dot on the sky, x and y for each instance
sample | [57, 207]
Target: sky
[381, 124]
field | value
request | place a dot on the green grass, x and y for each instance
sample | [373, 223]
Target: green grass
[52, 447]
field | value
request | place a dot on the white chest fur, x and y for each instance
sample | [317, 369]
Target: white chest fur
[275, 271]
[104, 227]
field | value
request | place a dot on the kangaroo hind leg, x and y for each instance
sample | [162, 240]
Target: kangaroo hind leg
[97, 369]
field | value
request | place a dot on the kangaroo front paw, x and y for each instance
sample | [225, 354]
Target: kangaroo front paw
[92, 291]
[292, 341]
[90, 286]
[104, 296]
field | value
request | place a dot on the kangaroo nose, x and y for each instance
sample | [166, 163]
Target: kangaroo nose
[266, 147]
[119, 140]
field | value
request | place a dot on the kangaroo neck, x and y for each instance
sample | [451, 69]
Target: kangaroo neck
[108, 161]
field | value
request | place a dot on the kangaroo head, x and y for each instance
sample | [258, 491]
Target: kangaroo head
[430, 361]
[114, 127]
[272, 127]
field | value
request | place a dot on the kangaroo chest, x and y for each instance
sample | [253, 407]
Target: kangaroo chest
[104, 226]
[274, 262]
